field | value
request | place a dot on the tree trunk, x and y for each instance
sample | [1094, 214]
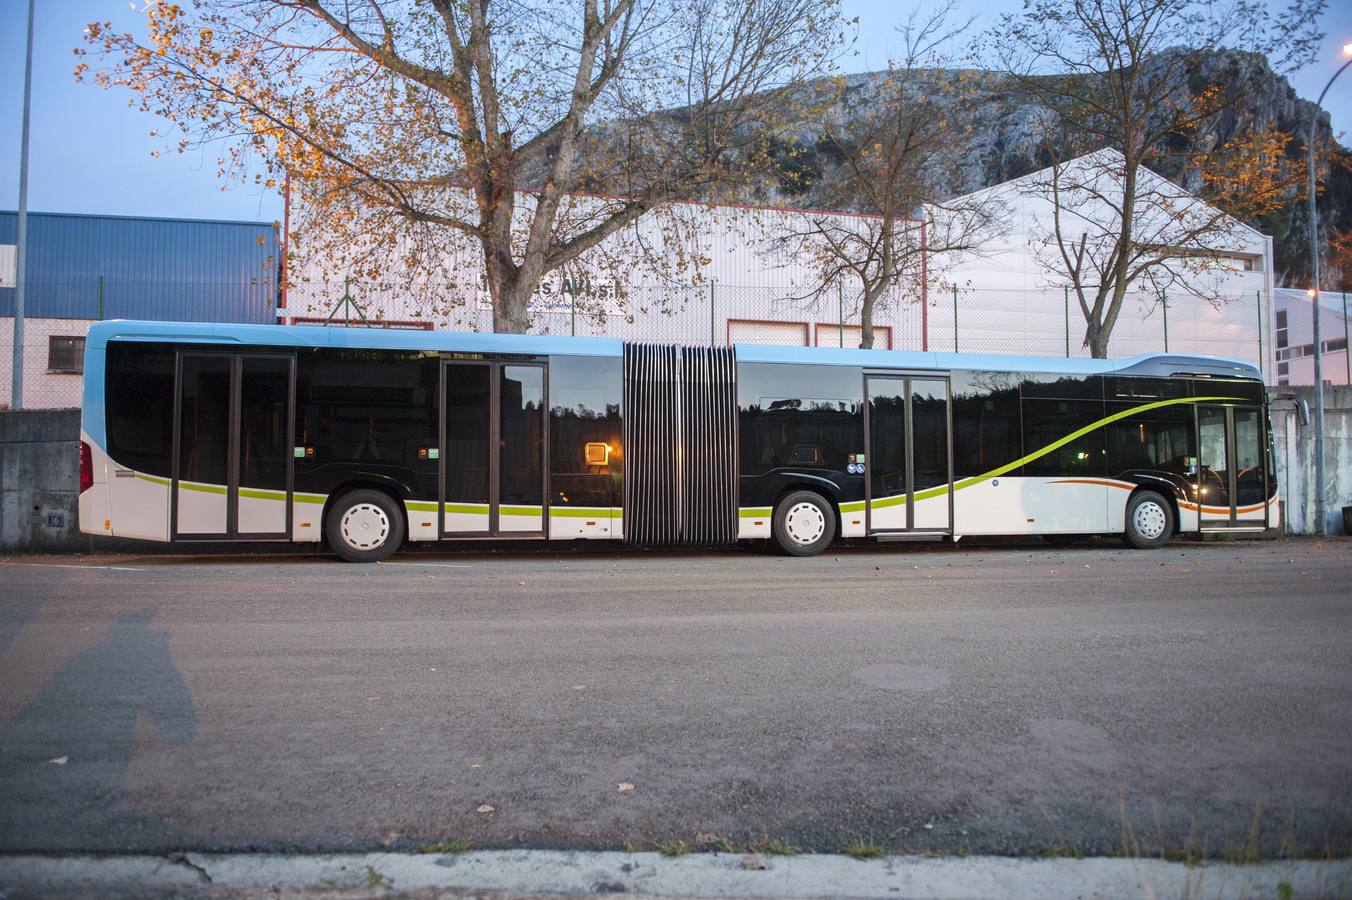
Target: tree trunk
[869, 301]
[1096, 339]
[510, 307]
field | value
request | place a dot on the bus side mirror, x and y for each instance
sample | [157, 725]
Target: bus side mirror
[1298, 405]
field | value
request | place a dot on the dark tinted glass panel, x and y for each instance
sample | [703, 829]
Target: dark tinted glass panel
[886, 459]
[1128, 388]
[1064, 387]
[466, 446]
[798, 416]
[368, 406]
[522, 405]
[1214, 455]
[1249, 458]
[1252, 391]
[987, 429]
[139, 405]
[204, 420]
[1158, 440]
[265, 384]
[586, 457]
[929, 427]
[1047, 421]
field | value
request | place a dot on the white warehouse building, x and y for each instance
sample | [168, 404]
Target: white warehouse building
[742, 283]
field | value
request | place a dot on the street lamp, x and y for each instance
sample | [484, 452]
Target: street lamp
[1314, 285]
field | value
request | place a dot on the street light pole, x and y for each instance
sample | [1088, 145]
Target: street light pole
[1314, 292]
[21, 248]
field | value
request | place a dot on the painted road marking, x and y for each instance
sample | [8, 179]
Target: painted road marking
[60, 566]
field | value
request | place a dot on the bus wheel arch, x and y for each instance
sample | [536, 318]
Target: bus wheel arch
[365, 522]
[1151, 519]
[804, 522]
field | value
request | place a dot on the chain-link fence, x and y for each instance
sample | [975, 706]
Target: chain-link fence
[1035, 323]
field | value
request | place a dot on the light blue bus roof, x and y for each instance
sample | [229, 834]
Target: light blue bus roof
[545, 345]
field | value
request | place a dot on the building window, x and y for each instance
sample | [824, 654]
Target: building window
[1281, 328]
[1335, 345]
[1283, 369]
[65, 354]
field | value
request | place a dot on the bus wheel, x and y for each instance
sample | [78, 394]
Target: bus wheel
[804, 524]
[364, 526]
[1150, 521]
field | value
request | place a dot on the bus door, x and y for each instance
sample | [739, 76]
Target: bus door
[1232, 470]
[493, 449]
[232, 455]
[906, 430]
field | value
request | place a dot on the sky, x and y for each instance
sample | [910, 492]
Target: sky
[90, 153]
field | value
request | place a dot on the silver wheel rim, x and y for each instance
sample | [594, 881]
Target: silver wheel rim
[364, 526]
[805, 523]
[1149, 520]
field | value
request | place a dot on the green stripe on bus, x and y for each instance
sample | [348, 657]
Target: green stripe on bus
[471, 509]
[858, 505]
[583, 512]
[754, 512]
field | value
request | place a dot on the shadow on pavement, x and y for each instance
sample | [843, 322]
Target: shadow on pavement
[63, 759]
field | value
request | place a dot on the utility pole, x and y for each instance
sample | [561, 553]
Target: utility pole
[1314, 292]
[21, 252]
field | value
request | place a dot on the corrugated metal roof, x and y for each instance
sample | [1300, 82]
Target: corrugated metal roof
[159, 269]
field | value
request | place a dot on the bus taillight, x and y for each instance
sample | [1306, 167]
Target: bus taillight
[86, 468]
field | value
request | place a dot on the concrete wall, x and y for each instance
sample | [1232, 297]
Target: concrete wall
[40, 480]
[1295, 457]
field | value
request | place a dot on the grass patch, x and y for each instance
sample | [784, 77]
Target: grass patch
[862, 849]
[673, 848]
[448, 846]
[376, 880]
[771, 847]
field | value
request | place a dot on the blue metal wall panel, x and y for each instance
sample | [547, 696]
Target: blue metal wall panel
[158, 269]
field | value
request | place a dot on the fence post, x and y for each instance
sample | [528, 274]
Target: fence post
[1066, 289]
[1258, 296]
[713, 331]
[572, 308]
[840, 301]
[1164, 304]
[955, 318]
[100, 298]
[1347, 345]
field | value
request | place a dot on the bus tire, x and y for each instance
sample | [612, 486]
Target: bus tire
[804, 524]
[1150, 521]
[364, 526]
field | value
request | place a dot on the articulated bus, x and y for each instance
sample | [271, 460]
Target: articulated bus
[366, 438]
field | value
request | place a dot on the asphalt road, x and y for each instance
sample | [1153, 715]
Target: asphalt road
[1010, 699]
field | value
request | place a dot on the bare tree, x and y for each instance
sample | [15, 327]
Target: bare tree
[1146, 79]
[413, 125]
[897, 166]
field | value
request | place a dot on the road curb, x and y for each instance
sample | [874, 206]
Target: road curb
[534, 872]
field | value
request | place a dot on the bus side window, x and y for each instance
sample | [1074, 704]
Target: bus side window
[1047, 421]
[139, 403]
[1160, 439]
[586, 456]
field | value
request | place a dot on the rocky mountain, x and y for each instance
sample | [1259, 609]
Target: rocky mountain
[1006, 138]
